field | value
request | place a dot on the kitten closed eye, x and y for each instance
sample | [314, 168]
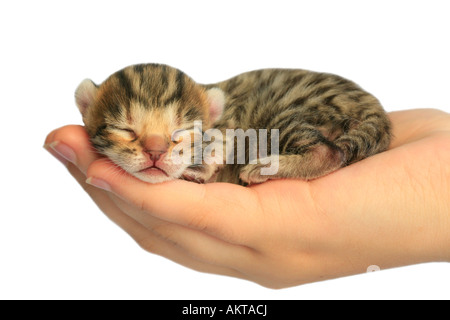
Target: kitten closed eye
[125, 133]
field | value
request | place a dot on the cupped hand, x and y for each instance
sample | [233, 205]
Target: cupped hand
[392, 209]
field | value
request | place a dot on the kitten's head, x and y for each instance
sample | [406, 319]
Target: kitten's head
[132, 116]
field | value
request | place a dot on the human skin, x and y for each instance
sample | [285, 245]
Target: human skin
[389, 210]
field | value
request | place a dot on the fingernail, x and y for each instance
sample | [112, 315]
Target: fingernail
[56, 155]
[98, 183]
[64, 151]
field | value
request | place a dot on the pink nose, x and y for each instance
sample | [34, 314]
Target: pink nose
[155, 146]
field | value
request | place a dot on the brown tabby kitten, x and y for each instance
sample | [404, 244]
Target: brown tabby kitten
[324, 122]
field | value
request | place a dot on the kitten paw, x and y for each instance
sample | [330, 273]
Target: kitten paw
[192, 178]
[200, 173]
[251, 174]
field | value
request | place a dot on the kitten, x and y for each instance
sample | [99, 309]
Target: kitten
[322, 122]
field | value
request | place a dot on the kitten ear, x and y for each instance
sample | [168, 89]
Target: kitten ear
[216, 99]
[85, 95]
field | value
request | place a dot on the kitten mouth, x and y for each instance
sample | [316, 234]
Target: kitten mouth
[154, 170]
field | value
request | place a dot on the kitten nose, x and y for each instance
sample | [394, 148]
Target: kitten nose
[155, 146]
[155, 155]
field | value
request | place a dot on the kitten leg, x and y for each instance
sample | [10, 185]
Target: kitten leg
[313, 154]
[317, 161]
[204, 173]
[365, 139]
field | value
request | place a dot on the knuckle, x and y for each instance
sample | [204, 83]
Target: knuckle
[147, 244]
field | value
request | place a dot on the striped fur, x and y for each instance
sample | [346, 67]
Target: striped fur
[325, 121]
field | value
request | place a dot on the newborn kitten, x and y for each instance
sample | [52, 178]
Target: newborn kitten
[323, 122]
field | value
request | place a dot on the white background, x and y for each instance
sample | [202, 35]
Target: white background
[55, 243]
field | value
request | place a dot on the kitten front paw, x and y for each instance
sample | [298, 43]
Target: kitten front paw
[267, 168]
[200, 173]
[192, 177]
[251, 174]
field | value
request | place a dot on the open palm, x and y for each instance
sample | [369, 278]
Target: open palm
[389, 210]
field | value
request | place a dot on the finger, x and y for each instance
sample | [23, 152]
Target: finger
[222, 210]
[145, 238]
[412, 125]
[197, 244]
[71, 144]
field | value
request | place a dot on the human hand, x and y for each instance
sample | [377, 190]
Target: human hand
[389, 210]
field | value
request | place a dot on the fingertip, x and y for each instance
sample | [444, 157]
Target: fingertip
[49, 138]
[73, 135]
[98, 183]
[62, 152]
[74, 142]
[108, 174]
[103, 168]
[65, 132]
